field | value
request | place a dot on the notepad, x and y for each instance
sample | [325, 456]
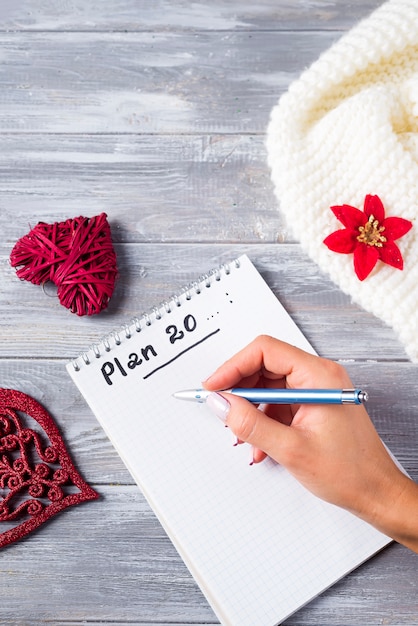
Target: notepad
[258, 544]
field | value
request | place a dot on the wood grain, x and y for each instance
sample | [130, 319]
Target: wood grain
[149, 185]
[123, 564]
[148, 82]
[47, 381]
[177, 15]
[156, 112]
[147, 583]
[152, 273]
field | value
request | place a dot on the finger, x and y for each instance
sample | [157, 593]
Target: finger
[258, 455]
[265, 356]
[277, 361]
[253, 426]
[282, 413]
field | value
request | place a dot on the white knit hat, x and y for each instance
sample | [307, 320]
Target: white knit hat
[347, 128]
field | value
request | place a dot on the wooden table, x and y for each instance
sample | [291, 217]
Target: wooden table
[155, 112]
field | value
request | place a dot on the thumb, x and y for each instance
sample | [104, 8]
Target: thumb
[253, 426]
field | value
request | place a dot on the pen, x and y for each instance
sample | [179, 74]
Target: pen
[283, 396]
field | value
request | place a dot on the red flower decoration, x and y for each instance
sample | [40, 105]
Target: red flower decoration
[369, 235]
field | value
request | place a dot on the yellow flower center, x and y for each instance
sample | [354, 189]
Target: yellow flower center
[371, 233]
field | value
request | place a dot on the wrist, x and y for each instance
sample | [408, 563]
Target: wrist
[394, 509]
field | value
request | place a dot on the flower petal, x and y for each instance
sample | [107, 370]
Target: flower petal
[343, 241]
[365, 258]
[349, 216]
[391, 255]
[396, 227]
[374, 206]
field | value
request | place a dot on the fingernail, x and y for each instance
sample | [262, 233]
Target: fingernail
[251, 457]
[218, 405]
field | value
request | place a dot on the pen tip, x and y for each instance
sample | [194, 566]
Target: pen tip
[194, 395]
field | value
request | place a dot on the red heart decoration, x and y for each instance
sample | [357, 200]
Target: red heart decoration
[37, 478]
[77, 255]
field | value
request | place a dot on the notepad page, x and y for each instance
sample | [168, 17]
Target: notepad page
[258, 544]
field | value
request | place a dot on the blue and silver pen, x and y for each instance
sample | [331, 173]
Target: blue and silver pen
[283, 396]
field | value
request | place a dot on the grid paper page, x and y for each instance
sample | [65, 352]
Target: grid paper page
[259, 545]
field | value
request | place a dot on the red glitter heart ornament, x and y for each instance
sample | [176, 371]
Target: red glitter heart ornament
[77, 255]
[37, 476]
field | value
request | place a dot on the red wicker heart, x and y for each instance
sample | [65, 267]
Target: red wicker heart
[37, 476]
[77, 255]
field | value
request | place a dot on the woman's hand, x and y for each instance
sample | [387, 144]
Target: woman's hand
[333, 450]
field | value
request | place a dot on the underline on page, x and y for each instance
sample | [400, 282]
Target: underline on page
[160, 367]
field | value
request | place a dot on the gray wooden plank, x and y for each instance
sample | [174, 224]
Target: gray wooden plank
[33, 324]
[205, 76]
[211, 187]
[103, 560]
[47, 381]
[109, 560]
[211, 82]
[365, 597]
[152, 570]
[137, 15]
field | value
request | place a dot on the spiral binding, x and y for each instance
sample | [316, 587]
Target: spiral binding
[136, 324]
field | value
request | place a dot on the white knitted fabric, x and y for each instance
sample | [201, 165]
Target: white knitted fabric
[346, 128]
